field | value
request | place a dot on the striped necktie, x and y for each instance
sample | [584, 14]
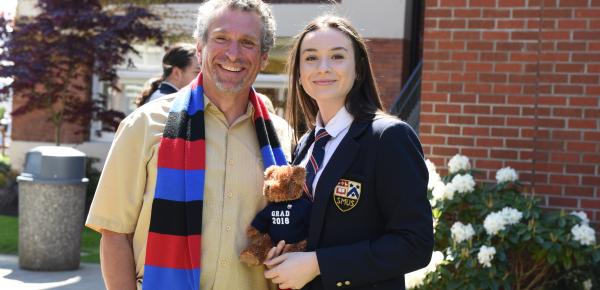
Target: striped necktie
[316, 160]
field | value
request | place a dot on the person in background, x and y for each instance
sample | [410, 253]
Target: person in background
[371, 221]
[180, 66]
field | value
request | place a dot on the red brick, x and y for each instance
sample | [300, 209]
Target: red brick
[509, 67]
[522, 79]
[593, 68]
[572, 24]
[551, 145]
[574, 3]
[451, 24]
[449, 87]
[511, 24]
[451, 45]
[525, 57]
[432, 3]
[504, 154]
[446, 151]
[447, 130]
[495, 35]
[437, 34]
[566, 135]
[521, 100]
[476, 131]
[556, 35]
[433, 139]
[467, 13]
[591, 158]
[488, 164]
[480, 45]
[460, 141]
[482, 3]
[489, 142]
[564, 179]
[465, 56]
[425, 129]
[492, 121]
[463, 98]
[555, 56]
[592, 90]
[591, 113]
[564, 157]
[520, 122]
[447, 108]
[463, 77]
[474, 152]
[591, 203]
[579, 191]
[466, 120]
[436, 76]
[551, 123]
[552, 100]
[505, 132]
[581, 169]
[567, 112]
[433, 97]
[481, 24]
[540, 89]
[562, 202]
[437, 13]
[478, 88]
[530, 133]
[548, 189]
[581, 146]
[525, 13]
[591, 136]
[476, 109]
[492, 77]
[591, 180]
[587, 13]
[507, 89]
[494, 56]
[503, 110]
[435, 119]
[586, 57]
[430, 23]
[453, 3]
[582, 124]
[571, 46]
[509, 46]
[466, 35]
[568, 90]
[585, 79]
[496, 13]
[554, 78]
[491, 99]
[524, 35]
[570, 67]
[557, 13]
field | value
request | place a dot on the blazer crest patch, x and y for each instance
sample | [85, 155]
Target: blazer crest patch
[346, 194]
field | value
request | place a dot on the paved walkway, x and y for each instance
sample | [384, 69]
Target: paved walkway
[87, 277]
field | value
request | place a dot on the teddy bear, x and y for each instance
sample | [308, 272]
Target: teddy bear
[286, 216]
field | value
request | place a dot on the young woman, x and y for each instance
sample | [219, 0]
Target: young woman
[371, 222]
[180, 67]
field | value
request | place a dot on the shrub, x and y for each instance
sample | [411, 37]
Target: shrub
[493, 236]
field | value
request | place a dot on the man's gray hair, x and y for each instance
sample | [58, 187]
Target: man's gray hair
[208, 8]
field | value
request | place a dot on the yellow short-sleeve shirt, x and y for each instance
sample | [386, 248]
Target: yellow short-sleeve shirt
[232, 190]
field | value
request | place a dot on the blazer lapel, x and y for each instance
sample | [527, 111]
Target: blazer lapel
[303, 147]
[336, 167]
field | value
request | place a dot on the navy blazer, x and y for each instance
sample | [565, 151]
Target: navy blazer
[372, 241]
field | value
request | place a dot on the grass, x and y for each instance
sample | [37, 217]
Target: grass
[9, 240]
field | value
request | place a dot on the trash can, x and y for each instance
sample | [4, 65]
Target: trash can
[52, 191]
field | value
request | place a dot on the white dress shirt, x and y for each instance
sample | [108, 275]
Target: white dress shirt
[337, 127]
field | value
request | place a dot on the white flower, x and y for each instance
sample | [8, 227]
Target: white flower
[486, 255]
[587, 284]
[415, 279]
[439, 192]
[463, 183]
[461, 232]
[434, 177]
[493, 223]
[581, 215]
[497, 221]
[449, 191]
[457, 163]
[506, 174]
[511, 215]
[584, 235]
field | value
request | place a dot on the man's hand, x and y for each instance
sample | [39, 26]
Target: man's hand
[116, 261]
[293, 270]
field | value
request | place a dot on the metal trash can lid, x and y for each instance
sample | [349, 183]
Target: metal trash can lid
[54, 164]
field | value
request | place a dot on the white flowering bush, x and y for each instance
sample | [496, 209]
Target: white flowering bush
[496, 237]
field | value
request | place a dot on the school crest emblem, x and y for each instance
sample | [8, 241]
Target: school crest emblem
[346, 194]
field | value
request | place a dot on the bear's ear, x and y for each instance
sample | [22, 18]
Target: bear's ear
[269, 171]
[298, 174]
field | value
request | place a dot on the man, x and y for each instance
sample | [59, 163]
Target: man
[140, 192]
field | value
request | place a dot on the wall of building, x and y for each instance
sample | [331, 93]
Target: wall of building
[514, 83]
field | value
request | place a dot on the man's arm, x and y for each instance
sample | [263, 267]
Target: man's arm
[116, 261]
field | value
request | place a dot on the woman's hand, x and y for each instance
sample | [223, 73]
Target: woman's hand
[274, 252]
[293, 270]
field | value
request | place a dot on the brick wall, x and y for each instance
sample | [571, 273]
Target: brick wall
[389, 66]
[491, 92]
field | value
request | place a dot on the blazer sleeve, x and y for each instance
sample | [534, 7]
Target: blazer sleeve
[401, 190]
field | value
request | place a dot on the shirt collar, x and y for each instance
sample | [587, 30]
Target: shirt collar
[340, 122]
[170, 85]
[210, 106]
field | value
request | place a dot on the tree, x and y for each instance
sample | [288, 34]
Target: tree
[52, 57]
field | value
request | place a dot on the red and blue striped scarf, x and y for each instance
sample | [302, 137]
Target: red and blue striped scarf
[173, 246]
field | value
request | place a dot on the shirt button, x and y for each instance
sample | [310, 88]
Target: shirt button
[347, 283]
[227, 228]
[230, 195]
[339, 284]
[223, 262]
[230, 162]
